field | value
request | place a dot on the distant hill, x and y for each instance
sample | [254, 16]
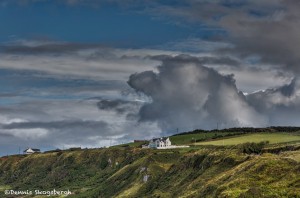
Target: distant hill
[246, 130]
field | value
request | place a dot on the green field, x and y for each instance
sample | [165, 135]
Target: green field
[131, 144]
[273, 138]
[185, 139]
[196, 137]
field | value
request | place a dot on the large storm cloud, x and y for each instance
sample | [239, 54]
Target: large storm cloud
[186, 94]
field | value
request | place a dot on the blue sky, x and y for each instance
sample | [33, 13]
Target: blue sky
[95, 72]
[106, 24]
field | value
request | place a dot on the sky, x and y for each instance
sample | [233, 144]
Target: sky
[96, 73]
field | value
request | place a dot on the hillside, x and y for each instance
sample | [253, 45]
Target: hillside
[199, 171]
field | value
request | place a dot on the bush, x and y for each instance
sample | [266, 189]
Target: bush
[253, 148]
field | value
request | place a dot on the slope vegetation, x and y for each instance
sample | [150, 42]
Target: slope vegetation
[206, 171]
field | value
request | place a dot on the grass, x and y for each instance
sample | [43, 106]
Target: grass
[2, 188]
[131, 144]
[129, 192]
[295, 155]
[196, 137]
[273, 138]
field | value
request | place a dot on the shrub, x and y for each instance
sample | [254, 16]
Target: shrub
[252, 148]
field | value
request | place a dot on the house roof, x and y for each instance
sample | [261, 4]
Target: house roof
[36, 149]
[161, 139]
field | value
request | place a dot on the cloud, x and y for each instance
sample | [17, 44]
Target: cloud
[263, 28]
[281, 105]
[4, 135]
[238, 27]
[251, 78]
[193, 45]
[47, 47]
[287, 95]
[49, 124]
[272, 37]
[114, 66]
[76, 60]
[210, 60]
[118, 105]
[27, 134]
[57, 125]
[186, 94]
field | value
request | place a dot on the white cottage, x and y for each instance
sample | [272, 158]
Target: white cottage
[31, 151]
[163, 142]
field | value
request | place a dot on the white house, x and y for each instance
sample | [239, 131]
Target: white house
[31, 151]
[158, 143]
[163, 143]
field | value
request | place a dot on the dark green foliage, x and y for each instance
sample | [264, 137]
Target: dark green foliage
[252, 148]
[279, 149]
[103, 162]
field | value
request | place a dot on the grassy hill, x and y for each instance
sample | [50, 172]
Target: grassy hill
[243, 135]
[185, 139]
[272, 138]
[204, 171]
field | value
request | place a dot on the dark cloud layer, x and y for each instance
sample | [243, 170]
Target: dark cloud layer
[57, 125]
[267, 29]
[119, 106]
[274, 37]
[48, 48]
